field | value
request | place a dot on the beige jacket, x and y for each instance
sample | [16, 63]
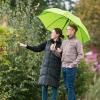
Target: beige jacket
[72, 52]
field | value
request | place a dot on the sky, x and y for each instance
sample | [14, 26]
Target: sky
[67, 5]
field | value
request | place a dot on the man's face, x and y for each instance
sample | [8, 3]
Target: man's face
[70, 31]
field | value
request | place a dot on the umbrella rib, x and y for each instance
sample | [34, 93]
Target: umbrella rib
[81, 36]
[55, 21]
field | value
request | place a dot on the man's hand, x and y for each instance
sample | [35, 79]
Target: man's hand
[52, 47]
[69, 67]
[59, 50]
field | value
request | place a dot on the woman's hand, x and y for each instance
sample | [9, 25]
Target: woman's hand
[52, 47]
[22, 45]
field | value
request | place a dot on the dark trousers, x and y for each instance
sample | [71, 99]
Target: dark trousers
[69, 79]
[45, 93]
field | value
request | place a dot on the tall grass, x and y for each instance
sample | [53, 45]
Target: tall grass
[94, 91]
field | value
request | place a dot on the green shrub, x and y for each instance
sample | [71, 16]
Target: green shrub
[94, 91]
[20, 68]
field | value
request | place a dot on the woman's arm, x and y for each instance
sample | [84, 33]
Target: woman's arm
[38, 48]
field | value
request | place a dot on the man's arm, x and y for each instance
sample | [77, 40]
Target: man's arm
[80, 54]
[57, 52]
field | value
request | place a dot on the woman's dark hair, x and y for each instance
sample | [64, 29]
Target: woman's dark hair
[59, 31]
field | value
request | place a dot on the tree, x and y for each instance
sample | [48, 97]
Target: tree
[18, 75]
[89, 13]
[44, 4]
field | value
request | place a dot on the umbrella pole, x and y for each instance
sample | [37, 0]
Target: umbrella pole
[62, 29]
[65, 24]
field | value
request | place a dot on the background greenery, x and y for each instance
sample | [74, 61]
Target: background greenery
[19, 67]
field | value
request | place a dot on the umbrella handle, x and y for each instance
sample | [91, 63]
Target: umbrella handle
[56, 40]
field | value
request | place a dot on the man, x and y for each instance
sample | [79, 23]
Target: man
[71, 52]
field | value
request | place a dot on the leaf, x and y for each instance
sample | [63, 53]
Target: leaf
[2, 30]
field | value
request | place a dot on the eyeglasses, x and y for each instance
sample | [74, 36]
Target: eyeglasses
[69, 29]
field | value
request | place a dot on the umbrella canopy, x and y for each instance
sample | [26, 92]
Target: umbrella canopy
[57, 18]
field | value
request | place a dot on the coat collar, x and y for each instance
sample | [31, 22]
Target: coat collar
[59, 41]
[70, 37]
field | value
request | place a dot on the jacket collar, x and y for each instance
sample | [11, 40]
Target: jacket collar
[70, 37]
[59, 41]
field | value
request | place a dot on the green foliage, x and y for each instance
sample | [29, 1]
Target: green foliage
[19, 68]
[44, 4]
[82, 78]
[94, 91]
[90, 18]
[2, 30]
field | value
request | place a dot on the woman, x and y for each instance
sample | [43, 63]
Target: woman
[51, 65]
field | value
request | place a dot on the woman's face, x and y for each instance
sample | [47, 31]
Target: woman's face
[54, 35]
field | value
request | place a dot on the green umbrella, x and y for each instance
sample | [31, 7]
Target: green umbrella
[57, 18]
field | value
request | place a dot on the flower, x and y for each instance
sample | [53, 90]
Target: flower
[5, 53]
[35, 8]
[41, 26]
[21, 28]
[11, 31]
[4, 48]
[33, 27]
[38, 4]
[17, 35]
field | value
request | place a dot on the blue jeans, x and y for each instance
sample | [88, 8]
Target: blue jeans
[45, 93]
[69, 79]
